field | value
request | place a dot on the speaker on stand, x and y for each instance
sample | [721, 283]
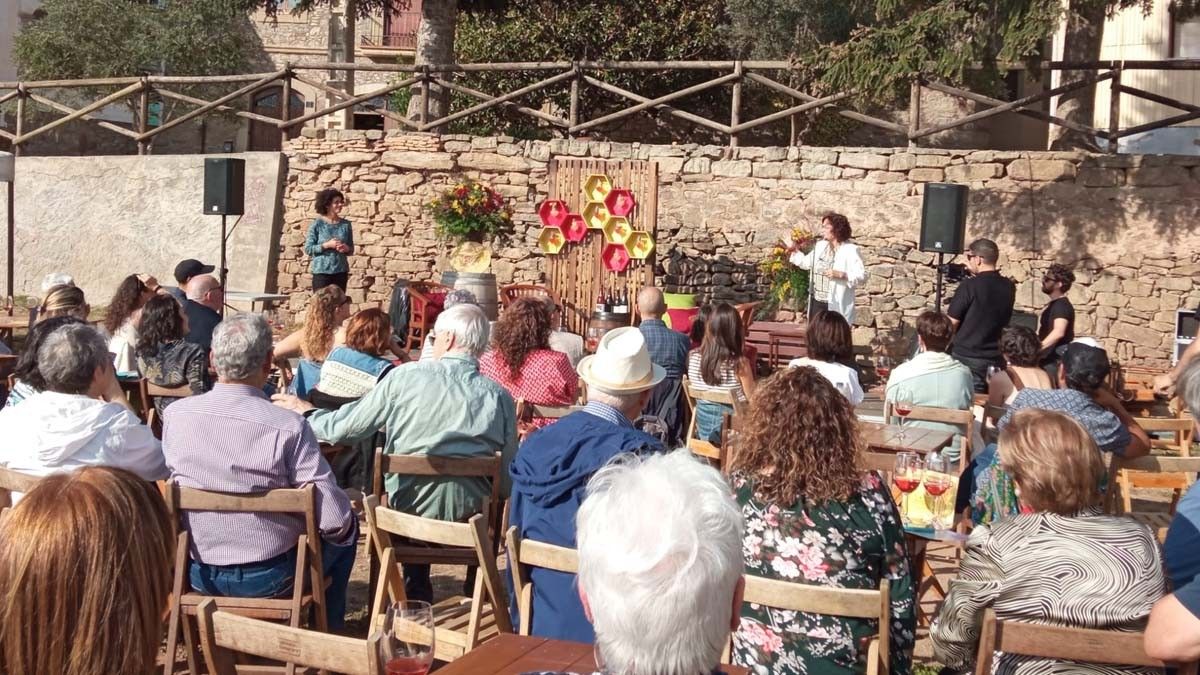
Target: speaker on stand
[943, 225]
[224, 195]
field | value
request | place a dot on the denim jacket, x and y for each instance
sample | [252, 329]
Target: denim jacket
[327, 260]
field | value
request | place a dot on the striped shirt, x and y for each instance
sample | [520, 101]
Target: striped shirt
[233, 439]
[728, 373]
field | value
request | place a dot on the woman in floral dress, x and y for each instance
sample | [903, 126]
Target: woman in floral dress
[812, 517]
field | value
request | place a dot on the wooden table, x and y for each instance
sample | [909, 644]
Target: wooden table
[886, 438]
[513, 654]
[9, 323]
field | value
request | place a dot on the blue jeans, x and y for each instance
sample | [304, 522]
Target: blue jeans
[710, 418]
[273, 578]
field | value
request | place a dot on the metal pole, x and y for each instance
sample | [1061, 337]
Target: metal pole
[223, 236]
[11, 238]
[937, 306]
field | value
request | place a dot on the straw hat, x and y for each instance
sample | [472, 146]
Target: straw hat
[621, 364]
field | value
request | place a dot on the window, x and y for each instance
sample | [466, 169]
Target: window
[1185, 37]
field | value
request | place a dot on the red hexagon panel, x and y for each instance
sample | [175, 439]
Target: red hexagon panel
[553, 212]
[615, 257]
[620, 202]
[575, 228]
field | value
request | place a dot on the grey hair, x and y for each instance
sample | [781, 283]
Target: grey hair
[69, 357]
[1188, 386]
[469, 325]
[241, 345]
[660, 557]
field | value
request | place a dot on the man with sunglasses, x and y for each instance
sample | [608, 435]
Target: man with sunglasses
[980, 309]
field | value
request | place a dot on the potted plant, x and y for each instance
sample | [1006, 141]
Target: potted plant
[787, 284]
[470, 211]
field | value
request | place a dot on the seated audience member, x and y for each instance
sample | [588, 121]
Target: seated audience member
[830, 348]
[439, 408]
[669, 349]
[328, 311]
[205, 298]
[552, 468]
[29, 380]
[457, 296]
[1019, 347]
[812, 517]
[660, 566]
[561, 340]
[718, 365]
[164, 358]
[696, 332]
[232, 439]
[521, 361]
[933, 378]
[85, 574]
[81, 418]
[353, 368]
[56, 279]
[1173, 633]
[121, 321]
[185, 271]
[64, 300]
[1061, 562]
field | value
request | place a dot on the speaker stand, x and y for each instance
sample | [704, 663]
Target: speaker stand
[224, 235]
[941, 271]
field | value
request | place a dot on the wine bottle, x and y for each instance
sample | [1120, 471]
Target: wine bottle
[600, 301]
[622, 305]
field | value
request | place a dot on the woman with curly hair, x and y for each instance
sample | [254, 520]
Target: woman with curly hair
[328, 310]
[813, 517]
[354, 367]
[330, 240]
[163, 356]
[521, 361]
[120, 322]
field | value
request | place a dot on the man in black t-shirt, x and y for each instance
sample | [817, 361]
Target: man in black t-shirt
[980, 309]
[1056, 328]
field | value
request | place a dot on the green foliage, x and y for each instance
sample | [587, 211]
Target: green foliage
[118, 38]
[470, 211]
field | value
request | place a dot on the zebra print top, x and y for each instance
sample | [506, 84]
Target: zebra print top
[1085, 571]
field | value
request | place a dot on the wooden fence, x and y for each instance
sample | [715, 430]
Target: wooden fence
[137, 91]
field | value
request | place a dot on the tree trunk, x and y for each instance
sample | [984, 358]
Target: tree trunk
[1082, 40]
[349, 39]
[435, 44]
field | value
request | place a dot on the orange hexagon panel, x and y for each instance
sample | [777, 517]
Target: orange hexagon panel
[617, 230]
[620, 202]
[640, 245]
[595, 214]
[615, 257]
[575, 228]
[596, 187]
[552, 240]
[553, 212]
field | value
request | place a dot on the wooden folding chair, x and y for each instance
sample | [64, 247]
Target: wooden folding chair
[1085, 645]
[421, 310]
[717, 456]
[1182, 430]
[185, 602]
[524, 554]
[527, 411]
[509, 293]
[846, 602]
[14, 481]
[461, 623]
[149, 393]
[224, 634]
[1171, 473]
[963, 419]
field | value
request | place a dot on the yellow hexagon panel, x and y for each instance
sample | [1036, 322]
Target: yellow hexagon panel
[551, 240]
[640, 245]
[595, 214]
[596, 187]
[617, 230]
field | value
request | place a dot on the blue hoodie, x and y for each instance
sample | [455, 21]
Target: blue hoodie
[549, 476]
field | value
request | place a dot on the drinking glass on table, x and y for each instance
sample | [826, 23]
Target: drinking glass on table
[883, 366]
[902, 405]
[408, 639]
[937, 482]
[906, 476]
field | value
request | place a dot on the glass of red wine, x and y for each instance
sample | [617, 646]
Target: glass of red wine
[408, 640]
[902, 405]
[937, 482]
[906, 476]
[883, 367]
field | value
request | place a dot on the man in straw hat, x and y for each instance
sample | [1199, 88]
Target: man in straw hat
[552, 467]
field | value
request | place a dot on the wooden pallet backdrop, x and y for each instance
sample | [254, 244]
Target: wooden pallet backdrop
[577, 274]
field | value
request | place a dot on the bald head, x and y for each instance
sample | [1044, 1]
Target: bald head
[650, 303]
[206, 290]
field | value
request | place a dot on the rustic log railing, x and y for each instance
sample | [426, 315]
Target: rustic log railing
[137, 91]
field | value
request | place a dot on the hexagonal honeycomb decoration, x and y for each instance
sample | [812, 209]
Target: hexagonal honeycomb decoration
[551, 240]
[553, 212]
[595, 214]
[575, 229]
[640, 245]
[617, 230]
[596, 187]
[615, 257]
[620, 202]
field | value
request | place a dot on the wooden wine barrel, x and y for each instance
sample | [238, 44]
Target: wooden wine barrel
[601, 323]
[481, 284]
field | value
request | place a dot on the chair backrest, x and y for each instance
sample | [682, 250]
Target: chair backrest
[524, 554]
[14, 481]
[149, 392]
[433, 465]
[746, 312]
[1182, 428]
[421, 315]
[1085, 645]
[1172, 473]
[223, 634]
[527, 411]
[963, 419]
[510, 293]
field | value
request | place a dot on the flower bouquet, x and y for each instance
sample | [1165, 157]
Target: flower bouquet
[787, 285]
[470, 211]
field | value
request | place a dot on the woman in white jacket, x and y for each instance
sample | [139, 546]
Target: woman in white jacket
[836, 267]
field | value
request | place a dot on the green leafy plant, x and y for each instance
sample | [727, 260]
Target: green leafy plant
[470, 211]
[787, 284]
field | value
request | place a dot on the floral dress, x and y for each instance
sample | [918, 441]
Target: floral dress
[851, 544]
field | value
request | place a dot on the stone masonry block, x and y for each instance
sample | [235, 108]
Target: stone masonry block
[966, 173]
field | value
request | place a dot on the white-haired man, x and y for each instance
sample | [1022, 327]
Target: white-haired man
[552, 468]
[660, 564]
[443, 407]
[1173, 633]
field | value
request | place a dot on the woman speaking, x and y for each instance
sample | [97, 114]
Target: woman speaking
[329, 241]
[836, 267]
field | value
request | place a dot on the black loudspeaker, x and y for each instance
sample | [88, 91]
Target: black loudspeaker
[224, 186]
[944, 218]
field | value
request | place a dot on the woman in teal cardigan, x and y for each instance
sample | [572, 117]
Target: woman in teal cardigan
[330, 241]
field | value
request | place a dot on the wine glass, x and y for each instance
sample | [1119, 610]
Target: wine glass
[883, 366]
[906, 476]
[902, 405]
[408, 638]
[937, 482]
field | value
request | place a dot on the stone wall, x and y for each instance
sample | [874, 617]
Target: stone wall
[1129, 224]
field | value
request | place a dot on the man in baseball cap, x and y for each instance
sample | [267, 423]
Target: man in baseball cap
[185, 271]
[552, 467]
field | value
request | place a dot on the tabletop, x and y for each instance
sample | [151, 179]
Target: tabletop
[514, 654]
[10, 322]
[887, 437]
[251, 296]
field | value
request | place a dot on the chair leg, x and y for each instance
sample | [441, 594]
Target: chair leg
[172, 640]
[191, 643]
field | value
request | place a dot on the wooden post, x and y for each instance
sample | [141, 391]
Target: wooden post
[573, 116]
[735, 107]
[914, 110]
[286, 109]
[349, 38]
[143, 116]
[1114, 111]
[20, 126]
[424, 95]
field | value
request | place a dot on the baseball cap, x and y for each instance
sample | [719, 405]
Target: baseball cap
[1087, 367]
[189, 268]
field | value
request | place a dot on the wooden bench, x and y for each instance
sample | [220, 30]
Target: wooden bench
[777, 343]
